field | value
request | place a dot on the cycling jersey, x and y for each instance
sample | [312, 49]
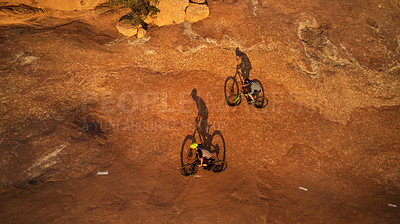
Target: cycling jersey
[203, 152]
[255, 87]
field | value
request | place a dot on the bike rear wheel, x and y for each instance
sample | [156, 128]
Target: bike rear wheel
[189, 169]
[262, 88]
[261, 102]
[218, 145]
[231, 88]
[219, 166]
[188, 155]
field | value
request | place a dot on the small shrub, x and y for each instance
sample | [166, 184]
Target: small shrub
[140, 10]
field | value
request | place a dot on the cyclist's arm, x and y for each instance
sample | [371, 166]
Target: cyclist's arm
[239, 66]
[245, 88]
[238, 60]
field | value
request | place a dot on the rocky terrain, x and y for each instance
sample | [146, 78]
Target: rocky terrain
[77, 98]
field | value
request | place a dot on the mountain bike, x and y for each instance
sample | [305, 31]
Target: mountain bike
[215, 166]
[233, 96]
[215, 142]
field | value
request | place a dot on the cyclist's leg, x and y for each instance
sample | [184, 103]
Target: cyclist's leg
[251, 95]
[256, 93]
[203, 130]
[205, 163]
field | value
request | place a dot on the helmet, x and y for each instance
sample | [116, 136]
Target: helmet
[237, 51]
[246, 81]
[194, 145]
[194, 92]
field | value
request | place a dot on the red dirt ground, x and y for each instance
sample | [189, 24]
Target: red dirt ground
[78, 98]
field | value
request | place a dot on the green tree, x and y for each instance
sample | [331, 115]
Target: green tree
[140, 10]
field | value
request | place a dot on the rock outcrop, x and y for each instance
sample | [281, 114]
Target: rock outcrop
[175, 12]
[171, 11]
[69, 5]
[197, 12]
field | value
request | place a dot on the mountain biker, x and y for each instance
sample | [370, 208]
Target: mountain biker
[244, 64]
[202, 154]
[251, 89]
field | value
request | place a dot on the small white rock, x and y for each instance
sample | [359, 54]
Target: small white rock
[303, 188]
[102, 173]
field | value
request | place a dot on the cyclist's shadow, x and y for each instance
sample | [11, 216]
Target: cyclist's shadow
[215, 142]
[202, 116]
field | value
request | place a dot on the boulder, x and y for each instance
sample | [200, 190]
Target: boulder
[196, 12]
[198, 1]
[127, 29]
[141, 33]
[171, 11]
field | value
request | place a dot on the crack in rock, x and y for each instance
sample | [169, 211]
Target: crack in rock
[37, 168]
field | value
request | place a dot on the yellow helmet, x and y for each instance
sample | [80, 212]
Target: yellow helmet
[194, 145]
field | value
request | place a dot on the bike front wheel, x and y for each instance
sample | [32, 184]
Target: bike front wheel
[219, 166]
[234, 100]
[189, 170]
[261, 86]
[188, 155]
[231, 88]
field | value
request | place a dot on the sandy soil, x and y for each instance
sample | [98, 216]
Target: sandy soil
[78, 98]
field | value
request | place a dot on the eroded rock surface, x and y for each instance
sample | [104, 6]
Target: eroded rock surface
[171, 12]
[78, 99]
[69, 5]
[196, 12]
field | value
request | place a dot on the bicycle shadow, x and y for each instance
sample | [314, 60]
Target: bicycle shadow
[214, 141]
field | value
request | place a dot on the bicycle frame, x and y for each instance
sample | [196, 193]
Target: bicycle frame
[203, 139]
[238, 97]
[209, 164]
[240, 76]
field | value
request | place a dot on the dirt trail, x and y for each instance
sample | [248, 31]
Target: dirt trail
[78, 98]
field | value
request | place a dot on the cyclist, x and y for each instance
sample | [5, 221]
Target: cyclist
[251, 89]
[203, 154]
[243, 63]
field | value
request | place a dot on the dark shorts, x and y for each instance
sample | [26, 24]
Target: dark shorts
[255, 94]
